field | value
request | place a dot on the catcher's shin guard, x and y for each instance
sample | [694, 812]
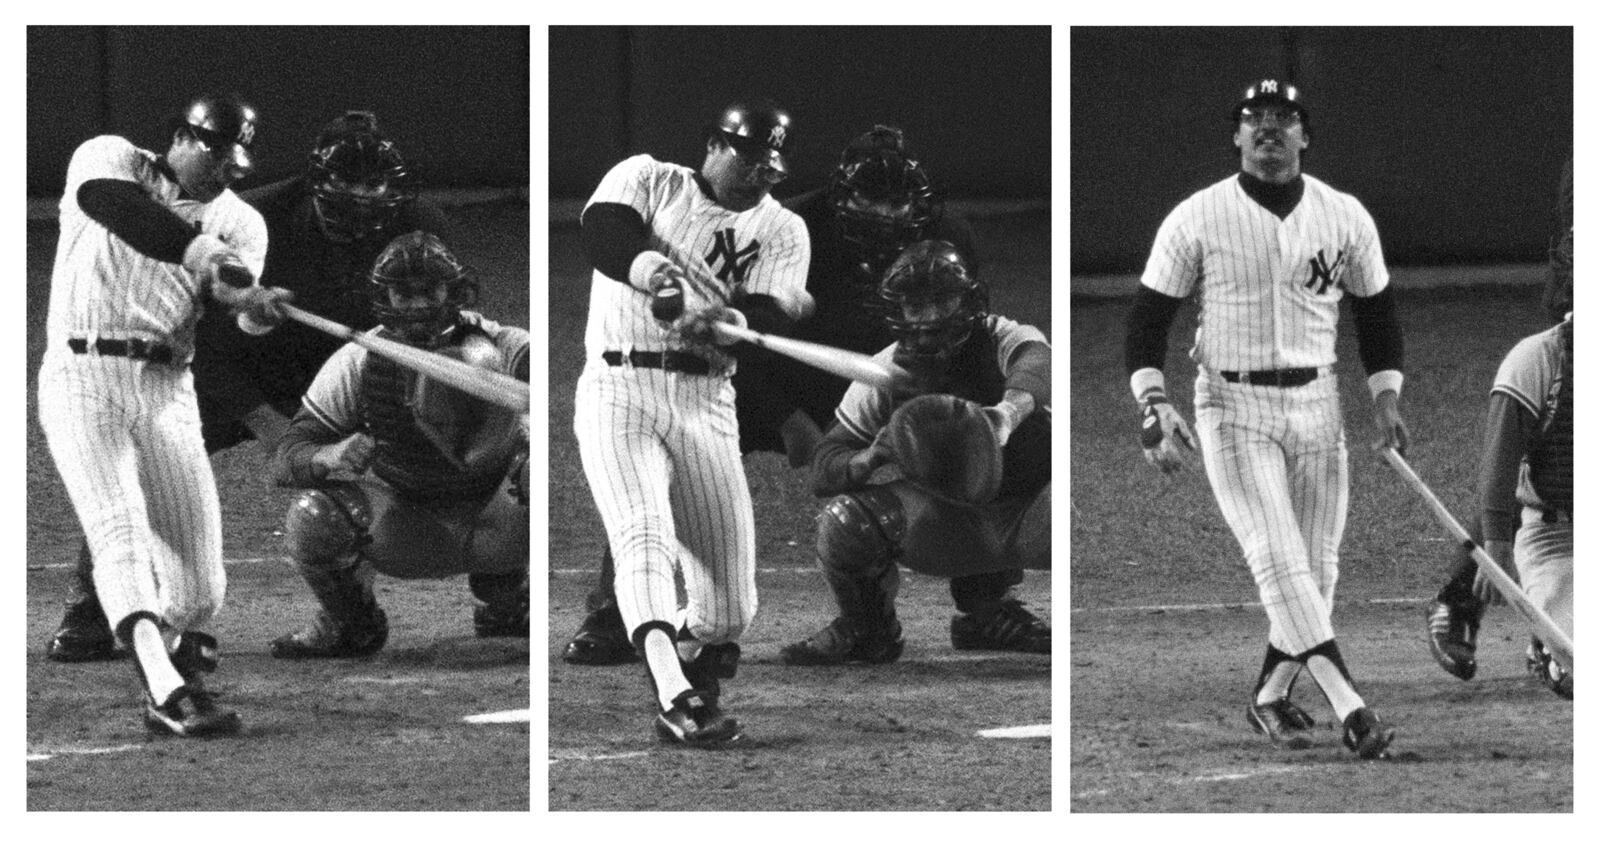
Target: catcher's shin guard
[504, 612]
[858, 540]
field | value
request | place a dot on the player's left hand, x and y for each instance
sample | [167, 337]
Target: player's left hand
[698, 327]
[1392, 430]
[1482, 587]
[1165, 435]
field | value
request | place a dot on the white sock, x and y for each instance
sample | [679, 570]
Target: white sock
[1340, 693]
[1278, 682]
[151, 649]
[661, 655]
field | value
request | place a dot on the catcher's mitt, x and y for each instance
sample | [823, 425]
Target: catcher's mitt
[946, 446]
[472, 433]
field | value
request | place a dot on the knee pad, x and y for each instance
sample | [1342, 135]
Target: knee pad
[325, 526]
[861, 530]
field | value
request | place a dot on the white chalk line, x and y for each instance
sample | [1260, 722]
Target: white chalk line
[1026, 731]
[502, 717]
[1218, 775]
[79, 750]
[575, 756]
[1180, 608]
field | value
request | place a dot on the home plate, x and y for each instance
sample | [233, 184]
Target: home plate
[1026, 731]
[502, 717]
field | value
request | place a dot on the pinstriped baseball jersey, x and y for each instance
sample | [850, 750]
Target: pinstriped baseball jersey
[660, 448]
[1270, 287]
[125, 433]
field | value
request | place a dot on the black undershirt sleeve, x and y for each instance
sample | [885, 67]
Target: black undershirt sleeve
[1378, 335]
[1148, 323]
[613, 234]
[126, 210]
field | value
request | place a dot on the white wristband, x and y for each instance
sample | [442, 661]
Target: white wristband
[643, 267]
[1145, 379]
[1387, 380]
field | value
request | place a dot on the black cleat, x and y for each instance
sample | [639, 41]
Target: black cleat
[84, 635]
[192, 711]
[491, 621]
[1010, 627]
[330, 637]
[1547, 671]
[696, 720]
[1366, 736]
[601, 641]
[1285, 724]
[846, 641]
[1453, 637]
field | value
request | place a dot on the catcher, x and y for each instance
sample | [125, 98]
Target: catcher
[402, 475]
[974, 451]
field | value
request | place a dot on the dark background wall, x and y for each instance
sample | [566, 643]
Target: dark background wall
[454, 99]
[974, 101]
[1453, 138]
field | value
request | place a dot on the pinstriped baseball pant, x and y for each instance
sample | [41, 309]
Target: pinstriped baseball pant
[125, 436]
[1277, 463]
[661, 453]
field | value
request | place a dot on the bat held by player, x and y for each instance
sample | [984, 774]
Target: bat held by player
[1555, 641]
[848, 364]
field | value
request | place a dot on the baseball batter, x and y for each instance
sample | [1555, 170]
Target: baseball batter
[1272, 252]
[326, 226]
[1525, 478]
[145, 239]
[655, 406]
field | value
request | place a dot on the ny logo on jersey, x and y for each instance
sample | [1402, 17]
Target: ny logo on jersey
[1322, 273]
[735, 261]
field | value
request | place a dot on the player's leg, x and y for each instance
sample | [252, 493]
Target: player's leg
[991, 616]
[601, 639]
[1455, 614]
[498, 567]
[84, 634]
[325, 531]
[1543, 552]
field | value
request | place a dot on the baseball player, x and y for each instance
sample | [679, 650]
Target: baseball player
[878, 200]
[1272, 252]
[1456, 612]
[404, 476]
[144, 239]
[326, 226]
[946, 337]
[655, 403]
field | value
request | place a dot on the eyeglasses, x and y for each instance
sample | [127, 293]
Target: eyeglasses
[1284, 117]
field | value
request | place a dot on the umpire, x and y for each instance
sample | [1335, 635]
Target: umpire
[324, 229]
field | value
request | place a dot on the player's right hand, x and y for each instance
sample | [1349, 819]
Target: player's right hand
[352, 455]
[1482, 586]
[1165, 435]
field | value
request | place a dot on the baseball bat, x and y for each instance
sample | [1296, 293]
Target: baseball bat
[1555, 641]
[845, 363]
[492, 386]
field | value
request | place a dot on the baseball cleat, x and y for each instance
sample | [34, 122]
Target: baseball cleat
[1010, 627]
[1453, 637]
[190, 712]
[846, 641]
[491, 621]
[601, 641]
[717, 661]
[696, 720]
[330, 637]
[1366, 736]
[1547, 671]
[1285, 724]
[84, 635]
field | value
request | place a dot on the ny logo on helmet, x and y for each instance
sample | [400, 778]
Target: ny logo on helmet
[775, 138]
[1269, 86]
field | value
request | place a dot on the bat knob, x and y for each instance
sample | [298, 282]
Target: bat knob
[666, 303]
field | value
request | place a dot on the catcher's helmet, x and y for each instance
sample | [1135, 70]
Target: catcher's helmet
[418, 266]
[358, 178]
[881, 196]
[224, 123]
[932, 272]
[1272, 92]
[756, 129]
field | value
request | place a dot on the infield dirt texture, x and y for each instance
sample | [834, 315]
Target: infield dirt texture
[384, 733]
[1167, 637]
[895, 737]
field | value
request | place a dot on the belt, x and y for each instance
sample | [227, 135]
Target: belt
[1282, 377]
[131, 348]
[670, 360]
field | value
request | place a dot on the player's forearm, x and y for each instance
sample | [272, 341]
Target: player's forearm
[1029, 372]
[1506, 436]
[296, 465]
[1148, 324]
[840, 463]
[613, 235]
[132, 216]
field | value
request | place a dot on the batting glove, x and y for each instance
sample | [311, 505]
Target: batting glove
[1164, 434]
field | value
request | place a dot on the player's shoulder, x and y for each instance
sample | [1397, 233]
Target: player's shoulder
[1531, 360]
[110, 155]
[1198, 201]
[1329, 194]
[1002, 327]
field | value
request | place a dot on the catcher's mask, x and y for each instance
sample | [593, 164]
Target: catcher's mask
[936, 301]
[882, 199]
[359, 181]
[421, 289]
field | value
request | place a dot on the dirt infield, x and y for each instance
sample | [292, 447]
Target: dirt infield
[1158, 694]
[897, 737]
[379, 734]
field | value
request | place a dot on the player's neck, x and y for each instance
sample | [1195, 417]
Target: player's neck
[1273, 175]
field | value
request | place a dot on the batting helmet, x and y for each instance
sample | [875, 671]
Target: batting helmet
[419, 267]
[1272, 92]
[932, 272]
[756, 130]
[357, 177]
[881, 196]
[224, 123]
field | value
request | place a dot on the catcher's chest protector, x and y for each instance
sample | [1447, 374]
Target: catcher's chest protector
[401, 454]
[1550, 460]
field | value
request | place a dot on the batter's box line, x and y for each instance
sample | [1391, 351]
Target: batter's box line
[78, 750]
[1190, 608]
[579, 756]
[1214, 776]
